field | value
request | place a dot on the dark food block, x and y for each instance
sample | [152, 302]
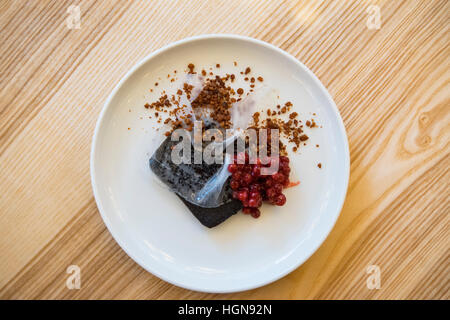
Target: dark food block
[211, 217]
[183, 178]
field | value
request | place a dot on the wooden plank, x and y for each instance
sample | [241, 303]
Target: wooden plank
[391, 86]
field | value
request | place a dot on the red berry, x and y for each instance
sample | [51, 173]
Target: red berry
[286, 171]
[256, 171]
[242, 195]
[247, 178]
[236, 175]
[255, 213]
[280, 200]
[278, 188]
[271, 193]
[254, 187]
[284, 159]
[255, 200]
[247, 210]
[253, 203]
[259, 202]
[232, 167]
[278, 177]
[234, 184]
[268, 183]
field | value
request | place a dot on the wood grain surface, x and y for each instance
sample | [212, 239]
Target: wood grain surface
[390, 84]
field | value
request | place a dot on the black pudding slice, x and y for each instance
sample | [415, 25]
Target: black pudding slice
[184, 178]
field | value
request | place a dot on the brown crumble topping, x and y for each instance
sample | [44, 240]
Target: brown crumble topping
[311, 123]
[218, 97]
[303, 137]
[293, 115]
[191, 67]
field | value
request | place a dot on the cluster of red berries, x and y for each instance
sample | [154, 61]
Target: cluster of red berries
[252, 188]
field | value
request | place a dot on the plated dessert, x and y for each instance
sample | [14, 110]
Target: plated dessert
[225, 148]
[158, 201]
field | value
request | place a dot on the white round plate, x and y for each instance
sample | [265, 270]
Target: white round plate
[155, 228]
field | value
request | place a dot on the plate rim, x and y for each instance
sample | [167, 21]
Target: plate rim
[123, 245]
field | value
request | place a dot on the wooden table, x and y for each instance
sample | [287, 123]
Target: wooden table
[390, 84]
